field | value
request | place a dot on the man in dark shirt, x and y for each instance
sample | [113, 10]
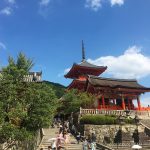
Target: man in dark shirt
[93, 137]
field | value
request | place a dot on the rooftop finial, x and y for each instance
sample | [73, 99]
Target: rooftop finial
[83, 51]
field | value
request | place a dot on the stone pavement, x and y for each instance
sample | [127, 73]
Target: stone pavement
[52, 133]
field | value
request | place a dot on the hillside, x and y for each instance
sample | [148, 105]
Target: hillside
[58, 88]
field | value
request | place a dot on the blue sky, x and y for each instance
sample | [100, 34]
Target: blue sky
[116, 33]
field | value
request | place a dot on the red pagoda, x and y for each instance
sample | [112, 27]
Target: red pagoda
[112, 94]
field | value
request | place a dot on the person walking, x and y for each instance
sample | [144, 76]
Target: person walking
[78, 137]
[73, 129]
[49, 148]
[93, 138]
[85, 144]
[60, 128]
[67, 138]
[54, 145]
[93, 146]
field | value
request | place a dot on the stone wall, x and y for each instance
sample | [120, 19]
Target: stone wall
[108, 131]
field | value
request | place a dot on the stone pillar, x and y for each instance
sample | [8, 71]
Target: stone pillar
[123, 103]
[139, 103]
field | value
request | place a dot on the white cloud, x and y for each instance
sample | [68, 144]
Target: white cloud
[9, 7]
[64, 72]
[2, 45]
[44, 8]
[97, 4]
[6, 11]
[44, 2]
[93, 4]
[11, 1]
[116, 2]
[131, 64]
[145, 99]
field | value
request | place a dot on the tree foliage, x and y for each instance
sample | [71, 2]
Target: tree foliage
[73, 100]
[58, 88]
[25, 107]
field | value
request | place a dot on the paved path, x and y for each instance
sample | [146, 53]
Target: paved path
[52, 133]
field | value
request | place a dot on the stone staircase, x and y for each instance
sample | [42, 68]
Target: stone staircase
[52, 133]
[73, 144]
[47, 134]
[146, 122]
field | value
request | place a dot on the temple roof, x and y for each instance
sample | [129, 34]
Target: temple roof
[84, 63]
[77, 84]
[85, 68]
[115, 83]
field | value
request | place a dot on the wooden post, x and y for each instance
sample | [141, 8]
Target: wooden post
[123, 103]
[129, 104]
[99, 106]
[103, 101]
[139, 103]
[114, 101]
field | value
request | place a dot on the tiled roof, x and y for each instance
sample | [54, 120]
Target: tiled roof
[115, 83]
[84, 63]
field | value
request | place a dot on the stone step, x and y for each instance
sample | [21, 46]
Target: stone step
[68, 147]
[52, 133]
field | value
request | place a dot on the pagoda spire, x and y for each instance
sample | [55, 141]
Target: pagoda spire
[83, 51]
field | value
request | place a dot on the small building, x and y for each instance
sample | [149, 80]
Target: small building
[32, 77]
[112, 94]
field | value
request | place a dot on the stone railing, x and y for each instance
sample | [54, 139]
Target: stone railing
[39, 138]
[114, 112]
[122, 146]
[25, 145]
[102, 146]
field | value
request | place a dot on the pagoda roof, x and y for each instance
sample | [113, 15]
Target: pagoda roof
[85, 68]
[116, 83]
[85, 63]
[77, 84]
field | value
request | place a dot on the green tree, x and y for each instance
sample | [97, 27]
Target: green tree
[74, 99]
[24, 107]
[58, 88]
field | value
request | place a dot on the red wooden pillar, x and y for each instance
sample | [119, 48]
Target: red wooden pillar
[103, 101]
[98, 101]
[114, 101]
[129, 104]
[123, 103]
[139, 103]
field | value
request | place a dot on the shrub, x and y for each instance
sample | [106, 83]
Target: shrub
[98, 120]
[129, 121]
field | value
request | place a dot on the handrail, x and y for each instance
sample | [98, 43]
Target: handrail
[98, 145]
[113, 112]
[40, 137]
[145, 125]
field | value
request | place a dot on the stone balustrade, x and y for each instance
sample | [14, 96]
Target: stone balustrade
[114, 112]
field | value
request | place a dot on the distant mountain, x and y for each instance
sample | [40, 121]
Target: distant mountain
[58, 88]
